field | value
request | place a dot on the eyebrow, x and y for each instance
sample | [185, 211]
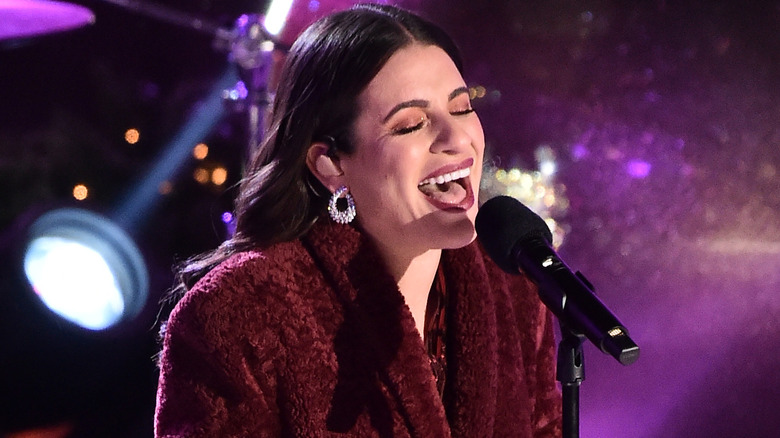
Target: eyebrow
[457, 92]
[421, 103]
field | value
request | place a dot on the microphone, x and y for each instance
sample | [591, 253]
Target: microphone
[517, 238]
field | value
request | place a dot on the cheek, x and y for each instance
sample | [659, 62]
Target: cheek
[478, 135]
[375, 181]
[390, 194]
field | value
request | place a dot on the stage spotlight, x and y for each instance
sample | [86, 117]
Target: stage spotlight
[85, 268]
[276, 15]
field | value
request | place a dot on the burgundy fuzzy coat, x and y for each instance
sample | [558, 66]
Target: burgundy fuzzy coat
[312, 338]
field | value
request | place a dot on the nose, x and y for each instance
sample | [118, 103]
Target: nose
[455, 134]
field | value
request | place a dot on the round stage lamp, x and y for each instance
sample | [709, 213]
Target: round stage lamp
[85, 268]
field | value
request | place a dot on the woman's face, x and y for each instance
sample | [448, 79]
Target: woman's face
[417, 162]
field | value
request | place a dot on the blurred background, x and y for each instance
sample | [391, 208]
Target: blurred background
[646, 133]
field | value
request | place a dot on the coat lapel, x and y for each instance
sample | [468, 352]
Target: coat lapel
[472, 349]
[378, 341]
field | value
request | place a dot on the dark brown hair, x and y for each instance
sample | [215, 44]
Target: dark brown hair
[327, 68]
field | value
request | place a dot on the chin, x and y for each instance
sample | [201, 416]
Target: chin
[459, 238]
[463, 243]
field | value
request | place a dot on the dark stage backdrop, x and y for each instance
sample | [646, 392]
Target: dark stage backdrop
[660, 117]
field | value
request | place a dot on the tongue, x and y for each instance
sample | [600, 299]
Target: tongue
[450, 192]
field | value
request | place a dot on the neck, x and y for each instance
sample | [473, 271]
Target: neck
[414, 276]
[416, 281]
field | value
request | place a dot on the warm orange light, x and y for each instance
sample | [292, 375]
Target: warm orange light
[165, 188]
[80, 192]
[219, 176]
[58, 431]
[201, 175]
[200, 151]
[477, 92]
[132, 136]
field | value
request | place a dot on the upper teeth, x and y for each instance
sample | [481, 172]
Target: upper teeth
[447, 177]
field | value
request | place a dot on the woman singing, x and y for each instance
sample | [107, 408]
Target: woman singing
[352, 299]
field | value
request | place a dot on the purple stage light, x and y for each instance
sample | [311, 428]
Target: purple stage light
[638, 169]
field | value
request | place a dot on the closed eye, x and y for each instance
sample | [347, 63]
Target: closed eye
[463, 112]
[410, 129]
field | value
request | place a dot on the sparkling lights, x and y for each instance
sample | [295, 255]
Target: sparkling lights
[238, 93]
[546, 159]
[480, 92]
[536, 189]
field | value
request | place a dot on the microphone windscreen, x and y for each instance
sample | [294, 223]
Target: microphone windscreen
[504, 221]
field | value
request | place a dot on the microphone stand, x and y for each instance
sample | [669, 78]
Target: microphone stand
[250, 48]
[570, 372]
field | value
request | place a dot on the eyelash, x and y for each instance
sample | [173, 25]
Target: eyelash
[410, 129]
[463, 112]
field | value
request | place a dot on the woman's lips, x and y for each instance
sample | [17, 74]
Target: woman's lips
[465, 164]
[449, 187]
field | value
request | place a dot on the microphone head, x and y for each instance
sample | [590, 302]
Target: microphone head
[504, 221]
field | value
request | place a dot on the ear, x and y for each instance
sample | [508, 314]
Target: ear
[326, 168]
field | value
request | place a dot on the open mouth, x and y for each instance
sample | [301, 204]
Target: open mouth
[449, 190]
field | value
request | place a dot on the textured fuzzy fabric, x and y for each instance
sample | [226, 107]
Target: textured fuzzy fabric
[312, 338]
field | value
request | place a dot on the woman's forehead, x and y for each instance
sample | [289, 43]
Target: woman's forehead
[416, 72]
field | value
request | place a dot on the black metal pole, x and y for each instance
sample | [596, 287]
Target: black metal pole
[571, 373]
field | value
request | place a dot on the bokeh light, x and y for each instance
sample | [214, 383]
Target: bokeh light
[200, 151]
[219, 176]
[276, 15]
[477, 92]
[638, 168]
[80, 192]
[85, 268]
[201, 175]
[536, 189]
[165, 188]
[74, 281]
[132, 136]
